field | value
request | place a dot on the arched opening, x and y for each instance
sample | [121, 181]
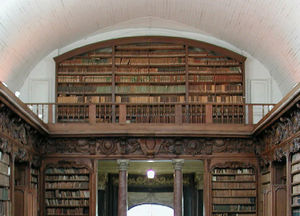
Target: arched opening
[150, 210]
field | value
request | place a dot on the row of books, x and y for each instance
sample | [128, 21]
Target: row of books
[34, 171]
[148, 61]
[233, 171]
[67, 211]
[234, 185]
[85, 79]
[34, 179]
[83, 70]
[215, 78]
[211, 88]
[237, 207]
[149, 99]
[211, 61]
[151, 89]
[4, 158]
[296, 212]
[296, 200]
[234, 193]
[296, 177]
[150, 69]
[4, 180]
[143, 78]
[81, 89]
[84, 99]
[66, 171]
[67, 185]
[296, 189]
[67, 194]
[86, 61]
[67, 202]
[295, 167]
[66, 177]
[214, 70]
[4, 169]
[296, 157]
[4, 194]
[234, 178]
[5, 208]
[239, 200]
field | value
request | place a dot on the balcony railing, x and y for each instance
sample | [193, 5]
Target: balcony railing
[156, 113]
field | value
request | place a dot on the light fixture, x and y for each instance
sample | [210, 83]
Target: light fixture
[17, 93]
[150, 174]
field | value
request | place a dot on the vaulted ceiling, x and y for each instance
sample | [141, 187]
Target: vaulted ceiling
[269, 30]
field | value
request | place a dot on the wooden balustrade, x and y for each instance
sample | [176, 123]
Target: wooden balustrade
[156, 113]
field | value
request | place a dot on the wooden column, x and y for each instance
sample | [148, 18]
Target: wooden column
[50, 113]
[206, 188]
[12, 182]
[92, 113]
[122, 196]
[122, 113]
[208, 114]
[178, 186]
[178, 114]
[288, 184]
[250, 114]
[272, 182]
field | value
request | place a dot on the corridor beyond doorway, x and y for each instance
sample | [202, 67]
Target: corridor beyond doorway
[150, 210]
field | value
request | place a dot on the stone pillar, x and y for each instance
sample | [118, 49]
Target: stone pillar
[122, 196]
[178, 186]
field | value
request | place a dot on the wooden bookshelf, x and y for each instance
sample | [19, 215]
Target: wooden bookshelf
[67, 190]
[34, 177]
[150, 70]
[5, 202]
[233, 191]
[295, 177]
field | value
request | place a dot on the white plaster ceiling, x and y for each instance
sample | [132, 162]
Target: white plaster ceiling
[269, 30]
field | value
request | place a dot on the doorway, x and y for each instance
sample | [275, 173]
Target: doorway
[150, 193]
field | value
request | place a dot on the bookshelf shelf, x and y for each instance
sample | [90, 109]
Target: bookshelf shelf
[295, 186]
[5, 201]
[67, 190]
[233, 191]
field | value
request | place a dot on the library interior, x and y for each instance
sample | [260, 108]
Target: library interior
[148, 108]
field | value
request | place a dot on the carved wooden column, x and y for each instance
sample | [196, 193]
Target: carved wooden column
[288, 183]
[122, 196]
[178, 187]
[207, 188]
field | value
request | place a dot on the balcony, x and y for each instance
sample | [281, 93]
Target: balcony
[156, 118]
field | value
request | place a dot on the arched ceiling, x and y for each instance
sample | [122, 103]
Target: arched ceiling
[269, 30]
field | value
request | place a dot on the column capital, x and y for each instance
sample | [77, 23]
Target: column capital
[123, 164]
[177, 164]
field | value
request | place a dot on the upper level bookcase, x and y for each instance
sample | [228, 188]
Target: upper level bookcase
[150, 70]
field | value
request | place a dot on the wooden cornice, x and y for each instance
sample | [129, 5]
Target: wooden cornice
[17, 106]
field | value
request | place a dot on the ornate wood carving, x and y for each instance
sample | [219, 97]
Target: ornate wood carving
[282, 136]
[16, 133]
[149, 147]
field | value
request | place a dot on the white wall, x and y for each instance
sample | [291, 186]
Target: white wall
[259, 83]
